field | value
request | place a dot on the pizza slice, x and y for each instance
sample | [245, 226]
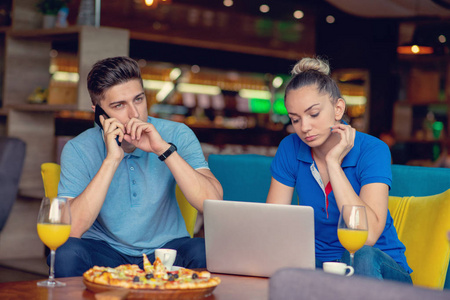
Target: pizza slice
[159, 270]
[148, 267]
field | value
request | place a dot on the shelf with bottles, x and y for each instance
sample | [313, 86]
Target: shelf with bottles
[209, 98]
[29, 52]
[420, 123]
[421, 115]
[424, 79]
[354, 85]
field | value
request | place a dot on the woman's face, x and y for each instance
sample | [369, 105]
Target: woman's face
[312, 114]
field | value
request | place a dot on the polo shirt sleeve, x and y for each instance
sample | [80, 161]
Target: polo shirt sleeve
[189, 148]
[283, 167]
[375, 163]
[74, 178]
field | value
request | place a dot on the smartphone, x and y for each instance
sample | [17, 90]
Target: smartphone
[100, 112]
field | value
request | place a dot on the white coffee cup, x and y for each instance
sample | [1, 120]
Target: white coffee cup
[338, 268]
[167, 257]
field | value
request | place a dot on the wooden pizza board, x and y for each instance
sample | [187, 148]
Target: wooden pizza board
[121, 293]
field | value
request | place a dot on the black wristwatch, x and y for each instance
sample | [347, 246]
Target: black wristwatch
[167, 153]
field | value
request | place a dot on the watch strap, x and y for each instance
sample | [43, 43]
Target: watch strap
[168, 152]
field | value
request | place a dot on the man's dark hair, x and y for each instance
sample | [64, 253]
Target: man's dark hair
[109, 72]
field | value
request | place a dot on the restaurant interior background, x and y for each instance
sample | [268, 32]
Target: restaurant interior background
[220, 66]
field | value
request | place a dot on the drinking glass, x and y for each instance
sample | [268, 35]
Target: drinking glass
[53, 227]
[352, 229]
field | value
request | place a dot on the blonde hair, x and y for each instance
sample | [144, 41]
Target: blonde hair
[313, 71]
[308, 63]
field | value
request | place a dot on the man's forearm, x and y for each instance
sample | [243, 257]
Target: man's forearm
[196, 185]
[86, 206]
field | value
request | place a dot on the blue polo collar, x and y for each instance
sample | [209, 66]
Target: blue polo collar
[137, 153]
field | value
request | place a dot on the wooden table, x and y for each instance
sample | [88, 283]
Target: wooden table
[232, 287]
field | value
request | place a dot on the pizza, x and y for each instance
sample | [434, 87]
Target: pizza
[154, 276]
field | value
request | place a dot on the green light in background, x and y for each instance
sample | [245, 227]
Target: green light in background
[278, 106]
[259, 106]
[437, 129]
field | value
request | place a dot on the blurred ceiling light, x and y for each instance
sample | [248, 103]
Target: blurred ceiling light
[442, 39]
[153, 84]
[414, 49]
[53, 53]
[418, 39]
[355, 100]
[264, 8]
[66, 76]
[277, 82]
[151, 3]
[142, 63]
[195, 69]
[53, 68]
[255, 94]
[154, 3]
[174, 74]
[228, 3]
[330, 19]
[298, 14]
[166, 89]
[198, 89]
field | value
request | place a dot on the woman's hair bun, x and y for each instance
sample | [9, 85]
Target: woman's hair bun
[308, 63]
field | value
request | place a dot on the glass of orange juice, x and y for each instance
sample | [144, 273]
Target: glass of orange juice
[53, 227]
[352, 229]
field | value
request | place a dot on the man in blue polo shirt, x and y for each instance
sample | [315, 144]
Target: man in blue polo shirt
[121, 179]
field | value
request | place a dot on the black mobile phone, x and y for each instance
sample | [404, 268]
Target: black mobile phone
[100, 112]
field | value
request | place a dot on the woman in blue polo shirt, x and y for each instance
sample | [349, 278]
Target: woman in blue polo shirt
[330, 165]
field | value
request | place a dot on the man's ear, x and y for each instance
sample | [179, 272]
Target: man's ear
[93, 108]
[339, 109]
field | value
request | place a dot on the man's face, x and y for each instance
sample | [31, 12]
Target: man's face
[125, 101]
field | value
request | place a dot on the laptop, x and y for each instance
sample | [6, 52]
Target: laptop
[257, 239]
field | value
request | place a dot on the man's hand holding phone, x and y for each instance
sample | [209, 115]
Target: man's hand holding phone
[100, 112]
[113, 132]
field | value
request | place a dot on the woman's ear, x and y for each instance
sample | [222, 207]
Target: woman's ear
[339, 109]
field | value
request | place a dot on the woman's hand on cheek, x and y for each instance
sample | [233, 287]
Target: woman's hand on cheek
[341, 149]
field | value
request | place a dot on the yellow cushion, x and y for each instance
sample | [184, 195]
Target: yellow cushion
[187, 210]
[422, 224]
[50, 176]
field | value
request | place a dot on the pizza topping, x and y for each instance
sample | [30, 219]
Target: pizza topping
[148, 275]
[194, 276]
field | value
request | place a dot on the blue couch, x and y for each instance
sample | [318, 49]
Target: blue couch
[12, 156]
[246, 177]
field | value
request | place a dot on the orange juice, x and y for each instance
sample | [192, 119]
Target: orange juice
[53, 235]
[352, 240]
